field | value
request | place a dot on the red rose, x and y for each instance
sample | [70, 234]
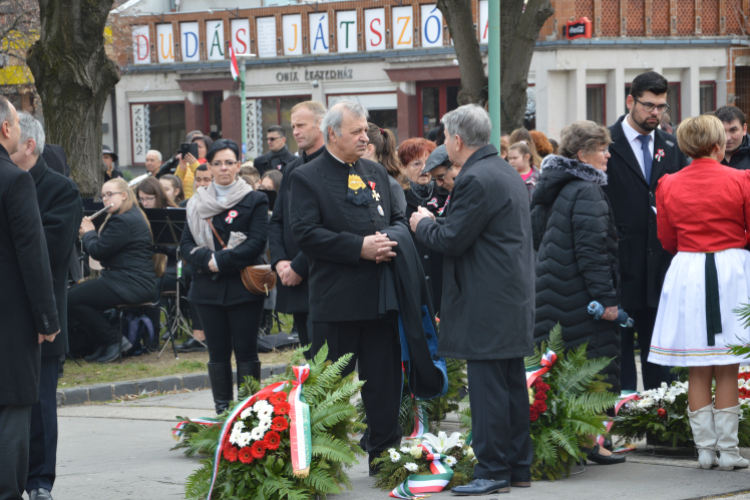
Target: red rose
[279, 424]
[540, 396]
[258, 449]
[541, 386]
[539, 406]
[279, 397]
[230, 453]
[662, 413]
[272, 440]
[282, 408]
[246, 455]
[533, 414]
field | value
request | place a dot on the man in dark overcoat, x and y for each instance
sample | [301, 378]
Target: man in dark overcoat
[279, 156]
[290, 263]
[61, 210]
[488, 280]
[28, 315]
[340, 203]
[641, 154]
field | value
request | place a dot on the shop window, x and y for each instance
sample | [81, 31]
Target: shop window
[596, 104]
[673, 99]
[708, 97]
[166, 127]
[212, 106]
[436, 99]
[278, 111]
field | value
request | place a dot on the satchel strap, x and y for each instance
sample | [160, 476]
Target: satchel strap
[216, 233]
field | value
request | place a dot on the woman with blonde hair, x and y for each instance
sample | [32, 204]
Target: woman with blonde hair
[703, 214]
[519, 157]
[124, 247]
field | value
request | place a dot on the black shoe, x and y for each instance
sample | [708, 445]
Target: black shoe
[220, 376]
[520, 481]
[607, 445]
[39, 494]
[592, 455]
[191, 345]
[112, 352]
[482, 487]
[98, 353]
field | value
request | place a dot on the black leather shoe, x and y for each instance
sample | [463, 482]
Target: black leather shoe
[191, 345]
[98, 353]
[111, 352]
[520, 481]
[482, 487]
[39, 494]
[592, 455]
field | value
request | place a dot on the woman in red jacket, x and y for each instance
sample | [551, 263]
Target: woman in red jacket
[702, 216]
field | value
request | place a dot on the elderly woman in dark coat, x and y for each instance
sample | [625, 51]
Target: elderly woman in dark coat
[577, 262]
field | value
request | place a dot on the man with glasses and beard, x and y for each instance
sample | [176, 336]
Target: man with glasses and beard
[641, 154]
[279, 156]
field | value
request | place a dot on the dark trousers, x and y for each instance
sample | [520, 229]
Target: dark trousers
[86, 302]
[43, 445]
[304, 327]
[653, 374]
[500, 419]
[231, 328]
[377, 353]
[14, 450]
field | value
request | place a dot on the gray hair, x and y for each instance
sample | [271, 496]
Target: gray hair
[158, 153]
[5, 114]
[335, 116]
[32, 129]
[471, 123]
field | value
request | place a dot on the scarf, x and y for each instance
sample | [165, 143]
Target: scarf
[203, 205]
[421, 191]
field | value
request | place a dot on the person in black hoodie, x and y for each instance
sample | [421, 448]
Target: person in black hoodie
[737, 153]
[124, 247]
[577, 262]
[279, 156]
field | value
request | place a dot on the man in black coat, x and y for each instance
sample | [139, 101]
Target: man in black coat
[27, 307]
[61, 210]
[641, 155]
[737, 153]
[279, 156]
[488, 289]
[290, 263]
[339, 206]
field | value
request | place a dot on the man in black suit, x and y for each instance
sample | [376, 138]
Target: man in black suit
[27, 307]
[737, 152]
[279, 156]
[339, 206]
[290, 263]
[641, 154]
[61, 210]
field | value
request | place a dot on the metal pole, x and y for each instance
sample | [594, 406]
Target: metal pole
[493, 67]
[243, 109]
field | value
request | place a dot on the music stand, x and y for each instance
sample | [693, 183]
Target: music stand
[167, 225]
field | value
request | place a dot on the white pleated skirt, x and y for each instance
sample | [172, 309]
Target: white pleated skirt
[680, 337]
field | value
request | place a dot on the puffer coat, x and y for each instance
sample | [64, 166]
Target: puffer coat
[576, 239]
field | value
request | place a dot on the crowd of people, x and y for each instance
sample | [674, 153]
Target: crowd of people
[508, 244]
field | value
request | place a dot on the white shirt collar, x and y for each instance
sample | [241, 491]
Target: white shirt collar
[632, 134]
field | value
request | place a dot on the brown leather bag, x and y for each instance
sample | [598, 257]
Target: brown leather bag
[259, 280]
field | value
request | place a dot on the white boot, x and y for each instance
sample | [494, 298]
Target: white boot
[727, 421]
[704, 436]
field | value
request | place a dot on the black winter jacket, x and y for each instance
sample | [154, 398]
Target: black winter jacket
[741, 158]
[576, 237]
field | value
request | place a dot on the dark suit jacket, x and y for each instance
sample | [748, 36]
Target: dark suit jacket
[488, 262]
[289, 299]
[643, 261]
[61, 210]
[226, 288]
[27, 300]
[330, 231]
[55, 158]
[274, 161]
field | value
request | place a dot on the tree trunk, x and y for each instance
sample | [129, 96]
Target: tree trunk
[457, 13]
[74, 77]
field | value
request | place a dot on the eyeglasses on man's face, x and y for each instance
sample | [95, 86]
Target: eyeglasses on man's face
[228, 163]
[109, 194]
[650, 106]
[271, 139]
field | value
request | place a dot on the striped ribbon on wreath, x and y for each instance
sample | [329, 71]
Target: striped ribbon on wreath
[415, 486]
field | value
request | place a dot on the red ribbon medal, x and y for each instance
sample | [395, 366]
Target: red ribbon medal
[231, 216]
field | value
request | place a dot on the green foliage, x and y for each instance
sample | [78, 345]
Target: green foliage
[392, 473]
[333, 422]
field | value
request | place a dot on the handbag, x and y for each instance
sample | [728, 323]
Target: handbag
[258, 280]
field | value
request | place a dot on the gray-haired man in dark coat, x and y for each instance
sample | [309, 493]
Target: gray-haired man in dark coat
[488, 279]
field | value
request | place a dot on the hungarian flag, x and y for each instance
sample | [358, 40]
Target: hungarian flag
[233, 65]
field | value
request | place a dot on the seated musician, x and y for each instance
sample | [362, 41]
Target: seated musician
[123, 246]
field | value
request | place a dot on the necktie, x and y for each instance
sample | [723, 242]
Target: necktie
[647, 159]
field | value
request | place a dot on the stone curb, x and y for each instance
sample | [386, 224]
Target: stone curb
[115, 390]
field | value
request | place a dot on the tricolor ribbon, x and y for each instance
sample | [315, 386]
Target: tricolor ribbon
[419, 421]
[231, 216]
[659, 155]
[179, 428]
[415, 486]
[534, 372]
[625, 396]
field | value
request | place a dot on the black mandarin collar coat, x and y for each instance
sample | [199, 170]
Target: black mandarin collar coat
[274, 160]
[643, 261]
[27, 300]
[488, 262]
[61, 210]
[289, 299]
[330, 231]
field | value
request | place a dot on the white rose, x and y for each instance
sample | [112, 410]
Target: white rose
[416, 452]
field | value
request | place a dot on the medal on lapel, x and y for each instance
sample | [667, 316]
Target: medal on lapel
[231, 216]
[375, 194]
[380, 211]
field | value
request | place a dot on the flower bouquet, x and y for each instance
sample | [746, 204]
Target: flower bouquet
[426, 465]
[290, 440]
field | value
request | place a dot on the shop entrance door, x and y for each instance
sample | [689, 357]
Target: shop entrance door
[212, 107]
[436, 98]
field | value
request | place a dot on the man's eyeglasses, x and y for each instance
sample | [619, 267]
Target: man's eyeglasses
[650, 106]
[228, 163]
[109, 194]
[271, 139]
[439, 178]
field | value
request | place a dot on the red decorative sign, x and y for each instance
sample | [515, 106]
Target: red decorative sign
[580, 28]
